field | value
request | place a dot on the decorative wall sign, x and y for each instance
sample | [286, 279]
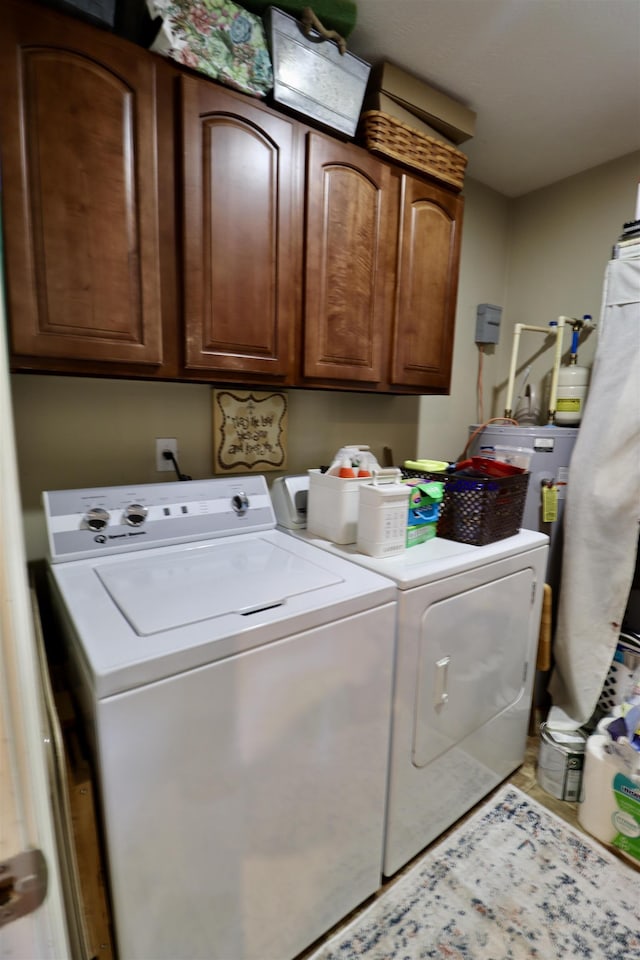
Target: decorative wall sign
[249, 431]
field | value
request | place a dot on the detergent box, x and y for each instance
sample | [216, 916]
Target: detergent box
[425, 497]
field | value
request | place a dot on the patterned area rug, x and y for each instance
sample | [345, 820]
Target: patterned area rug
[513, 882]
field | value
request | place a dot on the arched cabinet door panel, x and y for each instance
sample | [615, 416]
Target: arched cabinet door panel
[428, 257]
[348, 263]
[239, 273]
[80, 197]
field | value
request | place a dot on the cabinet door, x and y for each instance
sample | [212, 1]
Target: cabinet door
[79, 191]
[428, 260]
[239, 275]
[348, 263]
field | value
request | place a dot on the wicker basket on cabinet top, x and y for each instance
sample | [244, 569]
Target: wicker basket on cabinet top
[388, 137]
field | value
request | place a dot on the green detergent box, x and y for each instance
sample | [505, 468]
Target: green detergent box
[424, 509]
[420, 533]
[610, 807]
[626, 816]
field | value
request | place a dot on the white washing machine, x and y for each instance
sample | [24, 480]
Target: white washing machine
[236, 685]
[467, 632]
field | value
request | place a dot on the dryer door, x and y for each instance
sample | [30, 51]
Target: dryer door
[472, 665]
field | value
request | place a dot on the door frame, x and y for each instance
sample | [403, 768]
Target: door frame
[26, 814]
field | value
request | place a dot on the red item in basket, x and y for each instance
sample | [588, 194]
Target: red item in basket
[495, 468]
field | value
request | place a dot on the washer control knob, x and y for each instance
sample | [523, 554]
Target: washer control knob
[240, 503]
[135, 514]
[97, 518]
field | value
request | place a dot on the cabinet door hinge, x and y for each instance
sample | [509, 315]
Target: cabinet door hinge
[23, 885]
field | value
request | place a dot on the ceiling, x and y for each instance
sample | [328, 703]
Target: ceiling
[555, 83]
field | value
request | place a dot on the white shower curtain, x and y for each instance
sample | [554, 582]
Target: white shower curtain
[602, 509]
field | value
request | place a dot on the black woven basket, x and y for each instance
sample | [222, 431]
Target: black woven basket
[478, 510]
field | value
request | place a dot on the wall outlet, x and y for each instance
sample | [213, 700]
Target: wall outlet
[163, 444]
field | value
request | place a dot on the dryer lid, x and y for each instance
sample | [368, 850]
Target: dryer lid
[161, 593]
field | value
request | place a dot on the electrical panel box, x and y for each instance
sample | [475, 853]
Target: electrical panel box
[488, 319]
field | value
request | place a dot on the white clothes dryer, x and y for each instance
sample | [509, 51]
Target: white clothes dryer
[468, 620]
[236, 687]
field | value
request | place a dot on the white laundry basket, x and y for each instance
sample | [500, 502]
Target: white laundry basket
[625, 660]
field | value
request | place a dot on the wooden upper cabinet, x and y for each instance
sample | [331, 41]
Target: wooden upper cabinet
[239, 267]
[80, 202]
[302, 260]
[428, 257]
[348, 266]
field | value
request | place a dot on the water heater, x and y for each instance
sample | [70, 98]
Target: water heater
[550, 450]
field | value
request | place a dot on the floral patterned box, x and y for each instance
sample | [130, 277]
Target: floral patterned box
[216, 37]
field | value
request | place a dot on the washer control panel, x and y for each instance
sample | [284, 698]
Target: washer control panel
[93, 521]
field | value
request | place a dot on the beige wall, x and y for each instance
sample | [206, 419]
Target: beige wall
[561, 240]
[444, 421]
[77, 432]
[537, 257]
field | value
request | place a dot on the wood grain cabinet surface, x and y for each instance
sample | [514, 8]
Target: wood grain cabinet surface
[238, 268]
[348, 264]
[428, 258]
[80, 196]
[382, 253]
[157, 224]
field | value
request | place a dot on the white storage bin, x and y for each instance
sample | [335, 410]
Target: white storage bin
[383, 508]
[332, 506]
